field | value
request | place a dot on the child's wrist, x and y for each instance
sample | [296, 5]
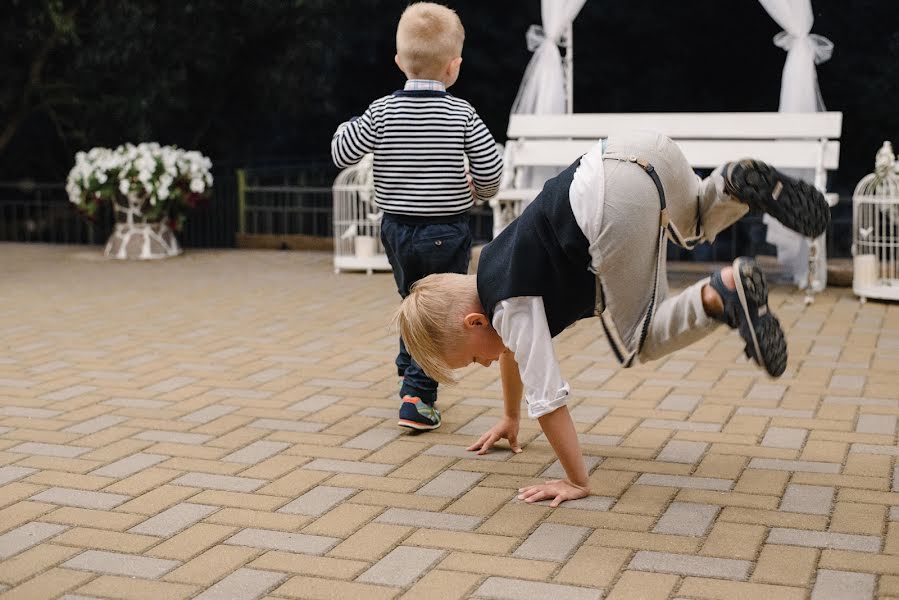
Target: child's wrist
[584, 487]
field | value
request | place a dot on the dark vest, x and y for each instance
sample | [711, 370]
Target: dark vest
[542, 253]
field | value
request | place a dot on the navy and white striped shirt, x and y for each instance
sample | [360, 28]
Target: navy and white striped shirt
[419, 137]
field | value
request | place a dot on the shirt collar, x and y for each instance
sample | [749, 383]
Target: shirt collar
[424, 84]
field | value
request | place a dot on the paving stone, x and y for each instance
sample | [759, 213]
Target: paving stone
[57, 450]
[115, 563]
[824, 539]
[96, 424]
[861, 448]
[279, 540]
[552, 542]
[173, 437]
[316, 403]
[347, 466]
[804, 466]
[129, 465]
[588, 414]
[209, 413]
[318, 500]
[680, 425]
[877, 424]
[433, 520]
[687, 518]
[80, 498]
[219, 482]
[784, 437]
[894, 513]
[170, 385]
[450, 484]
[28, 412]
[136, 403]
[372, 439]
[402, 566]
[12, 473]
[256, 452]
[684, 481]
[68, 393]
[682, 452]
[246, 584]
[598, 503]
[174, 519]
[860, 401]
[460, 452]
[282, 425]
[843, 585]
[679, 402]
[685, 564]
[379, 413]
[555, 470]
[811, 499]
[28, 535]
[476, 426]
[775, 412]
[503, 588]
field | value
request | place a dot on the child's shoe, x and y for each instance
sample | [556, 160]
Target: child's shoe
[415, 414]
[746, 309]
[800, 206]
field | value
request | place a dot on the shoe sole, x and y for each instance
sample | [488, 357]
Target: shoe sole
[416, 425]
[765, 335]
[800, 206]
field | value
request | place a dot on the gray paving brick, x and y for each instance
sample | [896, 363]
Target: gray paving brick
[256, 452]
[767, 391]
[13, 473]
[804, 466]
[824, 539]
[373, 438]
[49, 367]
[460, 452]
[430, 520]
[136, 403]
[678, 383]
[284, 425]
[240, 393]
[588, 414]
[316, 403]
[379, 413]
[73, 391]
[208, 413]
[775, 412]
[879, 424]
[504, 588]
[784, 437]
[266, 375]
[280, 540]
[115, 563]
[348, 466]
[590, 439]
[28, 412]
[80, 498]
[229, 352]
[680, 425]
[402, 566]
[859, 401]
[598, 503]
[685, 564]
[477, 426]
[318, 500]
[96, 424]
[129, 465]
[894, 513]
[812, 499]
[338, 383]
[450, 484]
[28, 535]
[17, 383]
[844, 585]
[174, 437]
[246, 584]
[552, 541]
[684, 481]
[855, 383]
[679, 402]
[875, 449]
[57, 450]
[687, 518]
[555, 470]
[174, 519]
[488, 402]
[170, 385]
[682, 452]
[896, 479]
[227, 483]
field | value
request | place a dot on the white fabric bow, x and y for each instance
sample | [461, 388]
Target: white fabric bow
[821, 47]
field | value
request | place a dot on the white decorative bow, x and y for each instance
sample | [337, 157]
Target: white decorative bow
[820, 45]
[535, 37]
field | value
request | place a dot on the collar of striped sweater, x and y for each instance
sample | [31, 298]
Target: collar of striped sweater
[424, 84]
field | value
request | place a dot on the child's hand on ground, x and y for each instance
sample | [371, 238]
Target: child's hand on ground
[507, 428]
[559, 490]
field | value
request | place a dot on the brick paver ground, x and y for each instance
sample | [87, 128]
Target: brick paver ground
[222, 425]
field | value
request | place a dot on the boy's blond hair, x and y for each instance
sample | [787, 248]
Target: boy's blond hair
[428, 37]
[430, 321]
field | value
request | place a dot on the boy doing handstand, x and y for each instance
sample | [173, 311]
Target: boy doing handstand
[593, 244]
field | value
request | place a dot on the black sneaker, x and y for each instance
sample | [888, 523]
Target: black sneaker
[800, 206]
[415, 414]
[746, 309]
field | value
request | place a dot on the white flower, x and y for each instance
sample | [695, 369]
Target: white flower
[124, 186]
[197, 185]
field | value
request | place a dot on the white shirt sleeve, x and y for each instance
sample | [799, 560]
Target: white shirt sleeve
[521, 323]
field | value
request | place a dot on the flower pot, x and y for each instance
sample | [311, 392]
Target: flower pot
[135, 238]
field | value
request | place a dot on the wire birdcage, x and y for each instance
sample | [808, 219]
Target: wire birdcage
[357, 221]
[875, 219]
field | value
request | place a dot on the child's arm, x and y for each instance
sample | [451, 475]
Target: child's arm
[507, 428]
[484, 161]
[353, 140]
[559, 430]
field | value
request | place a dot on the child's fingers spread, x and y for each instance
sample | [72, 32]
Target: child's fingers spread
[480, 442]
[489, 443]
[557, 501]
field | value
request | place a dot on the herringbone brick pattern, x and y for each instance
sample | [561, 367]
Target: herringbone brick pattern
[222, 425]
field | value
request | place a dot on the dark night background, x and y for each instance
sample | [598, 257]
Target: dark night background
[266, 82]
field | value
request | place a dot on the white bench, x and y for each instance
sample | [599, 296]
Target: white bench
[784, 140]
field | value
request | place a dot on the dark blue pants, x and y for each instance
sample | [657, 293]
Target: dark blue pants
[415, 250]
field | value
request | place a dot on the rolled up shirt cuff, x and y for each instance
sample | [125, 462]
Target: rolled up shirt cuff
[537, 410]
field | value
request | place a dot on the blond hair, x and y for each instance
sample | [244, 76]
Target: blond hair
[430, 320]
[428, 37]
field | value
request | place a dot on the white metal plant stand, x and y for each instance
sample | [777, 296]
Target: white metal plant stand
[357, 221]
[875, 236]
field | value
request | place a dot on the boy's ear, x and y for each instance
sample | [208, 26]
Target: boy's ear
[474, 320]
[396, 59]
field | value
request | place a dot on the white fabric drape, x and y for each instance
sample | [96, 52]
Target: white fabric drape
[542, 89]
[799, 92]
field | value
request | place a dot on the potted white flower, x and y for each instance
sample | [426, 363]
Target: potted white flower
[151, 188]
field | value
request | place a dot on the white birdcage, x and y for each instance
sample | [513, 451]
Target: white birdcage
[357, 221]
[875, 238]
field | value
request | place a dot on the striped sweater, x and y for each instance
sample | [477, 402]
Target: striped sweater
[419, 138]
